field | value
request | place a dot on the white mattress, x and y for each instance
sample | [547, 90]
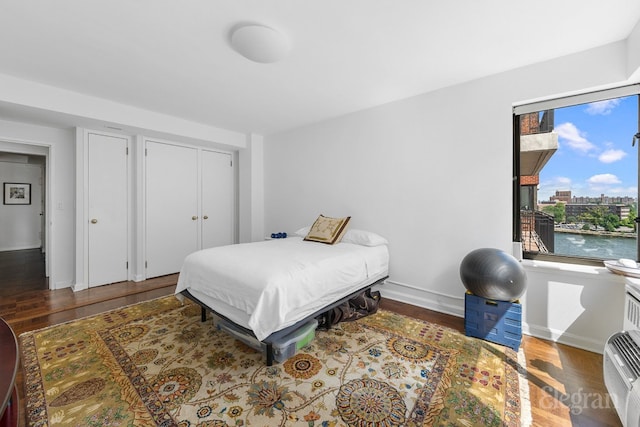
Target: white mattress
[267, 286]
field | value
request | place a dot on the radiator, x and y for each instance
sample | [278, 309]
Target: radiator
[621, 368]
[621, 362]
[631, 308]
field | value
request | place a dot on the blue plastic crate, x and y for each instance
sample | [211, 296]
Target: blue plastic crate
[496, 321]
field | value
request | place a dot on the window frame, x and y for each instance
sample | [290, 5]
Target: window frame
[551, 104]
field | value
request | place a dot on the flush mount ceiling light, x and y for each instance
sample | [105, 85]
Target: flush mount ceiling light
[259, 43]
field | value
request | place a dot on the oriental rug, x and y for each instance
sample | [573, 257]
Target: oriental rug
[156, 363]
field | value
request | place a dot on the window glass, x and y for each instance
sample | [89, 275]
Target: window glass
[578, 178]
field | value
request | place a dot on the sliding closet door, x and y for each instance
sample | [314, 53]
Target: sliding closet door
[217, 199]
[107, 194]
[171, 206]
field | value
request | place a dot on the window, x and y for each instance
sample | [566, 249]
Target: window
[576, 176]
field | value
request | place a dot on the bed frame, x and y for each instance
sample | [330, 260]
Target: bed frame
[322, 315]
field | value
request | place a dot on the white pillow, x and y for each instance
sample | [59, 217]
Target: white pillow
[363, 238]
[356, 237]
[303, 231]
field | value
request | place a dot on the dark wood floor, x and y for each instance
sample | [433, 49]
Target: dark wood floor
[565, 383]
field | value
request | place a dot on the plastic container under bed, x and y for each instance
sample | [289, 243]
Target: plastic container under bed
[283, 348]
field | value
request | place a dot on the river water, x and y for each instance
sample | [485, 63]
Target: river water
[587, 245]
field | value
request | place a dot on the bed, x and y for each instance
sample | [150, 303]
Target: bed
[270, 288]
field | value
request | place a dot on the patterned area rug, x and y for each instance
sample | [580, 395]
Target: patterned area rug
[155, 363]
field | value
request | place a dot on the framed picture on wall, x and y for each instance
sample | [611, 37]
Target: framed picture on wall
[17, 193]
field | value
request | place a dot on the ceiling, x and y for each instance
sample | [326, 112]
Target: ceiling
[174, 57]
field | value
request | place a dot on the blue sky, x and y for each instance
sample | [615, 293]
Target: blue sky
[594, 154]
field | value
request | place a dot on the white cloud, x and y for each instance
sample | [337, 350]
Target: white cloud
[602, 107]
[603, 184]
[570, 134]
[611, 155]
[624, 191]
[604, 178]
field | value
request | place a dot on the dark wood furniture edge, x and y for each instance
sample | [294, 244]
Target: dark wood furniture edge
[9, 406]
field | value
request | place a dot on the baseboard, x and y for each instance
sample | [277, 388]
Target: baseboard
[80, 287]
[561, 337]
[20, 248]
[61, 285]
[430, 300]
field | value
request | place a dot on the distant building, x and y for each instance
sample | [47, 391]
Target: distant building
[561, 196]
[603, 200]
[565, 196]
[577, 209]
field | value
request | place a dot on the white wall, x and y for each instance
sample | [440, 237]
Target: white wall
[433, 174]
[21, 223]
[633, 52]
[580, 306]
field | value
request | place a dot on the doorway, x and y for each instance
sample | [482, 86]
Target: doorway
[23, 215]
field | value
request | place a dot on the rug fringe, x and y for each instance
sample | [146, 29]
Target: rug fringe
[525, 400]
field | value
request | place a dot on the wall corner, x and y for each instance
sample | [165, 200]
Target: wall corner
[251, 190]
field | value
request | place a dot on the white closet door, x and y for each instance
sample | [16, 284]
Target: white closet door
[107, 202]
[171, 206]
[217, 199]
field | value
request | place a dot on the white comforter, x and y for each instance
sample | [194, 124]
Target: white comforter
[270, 285]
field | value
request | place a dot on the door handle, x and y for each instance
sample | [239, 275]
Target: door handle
[94, 221]
[205, 217]
[194, 217]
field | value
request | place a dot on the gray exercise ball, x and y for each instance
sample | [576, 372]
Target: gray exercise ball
[493, 274]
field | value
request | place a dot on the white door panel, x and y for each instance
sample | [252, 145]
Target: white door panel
[217, 199]
[107, 195]
[171, 206]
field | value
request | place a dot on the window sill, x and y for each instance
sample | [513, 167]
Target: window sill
[565, 267]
